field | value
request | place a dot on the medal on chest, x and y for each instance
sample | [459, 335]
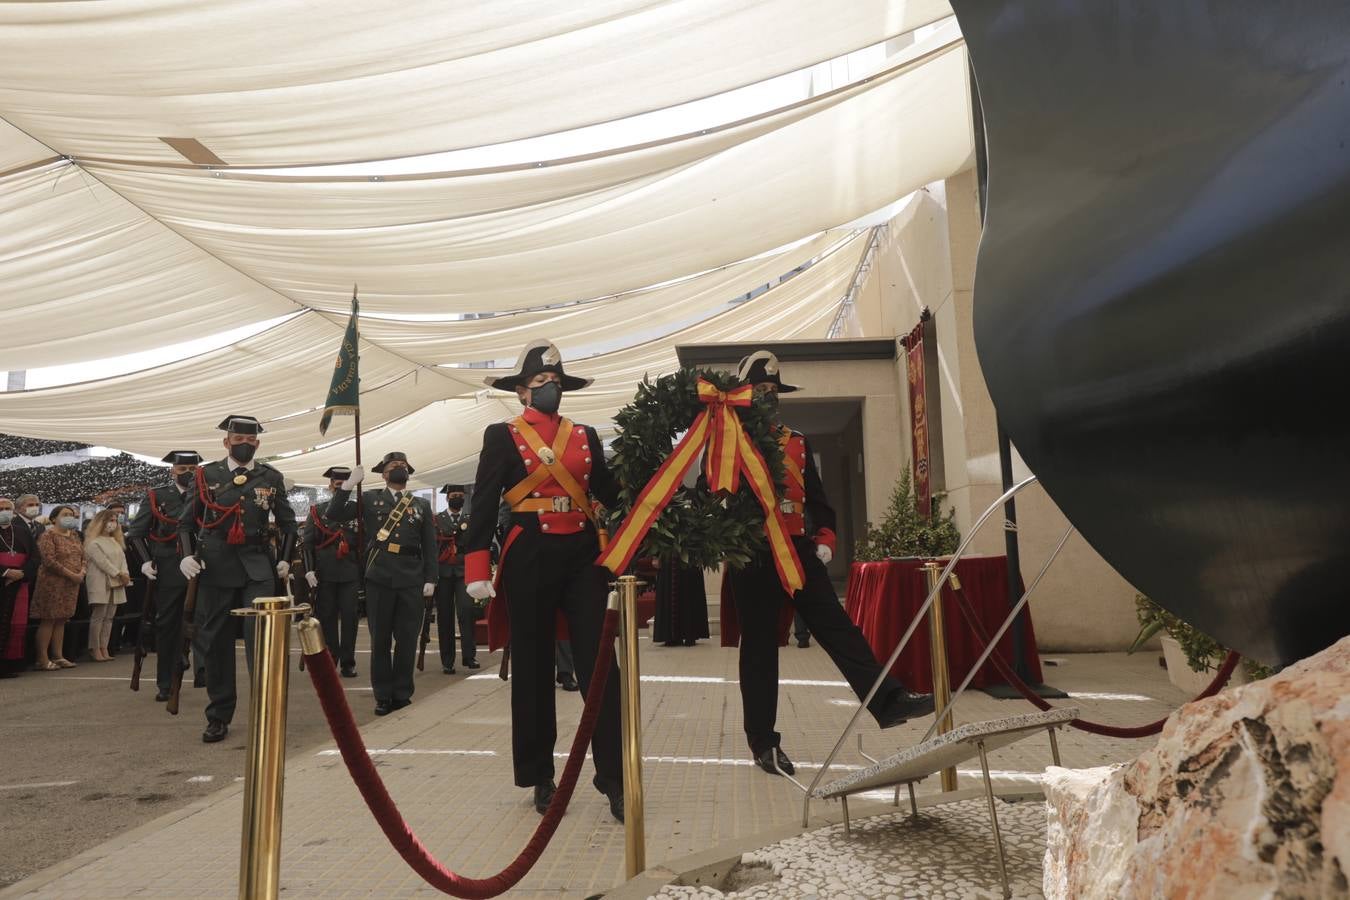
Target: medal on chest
[241, 480]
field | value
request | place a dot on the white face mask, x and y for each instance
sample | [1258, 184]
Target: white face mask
[6, 517]
[111, 527]
[68, 522]
[31, 512]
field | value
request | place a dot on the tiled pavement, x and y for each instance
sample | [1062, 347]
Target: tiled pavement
[451, 775]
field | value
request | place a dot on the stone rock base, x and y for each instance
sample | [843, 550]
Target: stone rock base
[1246, 794]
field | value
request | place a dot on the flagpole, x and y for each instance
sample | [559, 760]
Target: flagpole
[360, 506]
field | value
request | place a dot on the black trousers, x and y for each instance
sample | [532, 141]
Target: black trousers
[453, 603]
[335, 606]
[169, 634]
[759, 596]
[541, 576]
[216, 630]
[394, 616]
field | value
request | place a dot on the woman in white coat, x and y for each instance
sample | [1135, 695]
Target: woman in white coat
[105, 580]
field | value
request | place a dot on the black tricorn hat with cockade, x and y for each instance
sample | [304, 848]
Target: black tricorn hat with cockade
[761, 367]
[539, 356]
[392, 456]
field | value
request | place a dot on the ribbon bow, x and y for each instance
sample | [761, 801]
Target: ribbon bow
[728, 453]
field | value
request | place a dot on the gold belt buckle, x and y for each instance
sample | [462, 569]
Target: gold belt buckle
[562, 504]
[787, 507]
[393, 548]
[382, 534]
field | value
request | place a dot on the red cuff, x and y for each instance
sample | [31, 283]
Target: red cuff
[477, 566]
[826, 537]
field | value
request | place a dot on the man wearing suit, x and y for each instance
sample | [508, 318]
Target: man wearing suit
[333, 563]
[223, 536]
[154, 535]
[401, 572]
[452, 602]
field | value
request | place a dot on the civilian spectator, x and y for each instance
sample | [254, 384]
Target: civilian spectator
[106, 579]
[60, 574]
[18, 570]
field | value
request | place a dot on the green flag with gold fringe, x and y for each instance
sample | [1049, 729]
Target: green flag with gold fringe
[344, 393]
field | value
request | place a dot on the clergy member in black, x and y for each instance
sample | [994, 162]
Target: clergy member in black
[546, 467]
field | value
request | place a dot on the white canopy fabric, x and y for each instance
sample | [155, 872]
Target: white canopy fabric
[290, 82]
[18, 150]
[476, 242]
[443, 438]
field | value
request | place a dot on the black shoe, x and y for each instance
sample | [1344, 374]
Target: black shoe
[199, 679]
[543, 794]
[384, 707]
[471, 664]
[215, 731]
[904, 706]
[804, 643]
[568, 682]
[349, 671]
[616, 804]
[448, 670]
[161, 696]
[399, 704]
[766, 760]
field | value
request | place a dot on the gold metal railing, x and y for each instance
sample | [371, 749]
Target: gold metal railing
[630, 702]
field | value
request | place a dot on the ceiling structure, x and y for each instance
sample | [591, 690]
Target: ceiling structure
[158, 184]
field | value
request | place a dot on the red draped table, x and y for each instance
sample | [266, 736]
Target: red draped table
[884, 596]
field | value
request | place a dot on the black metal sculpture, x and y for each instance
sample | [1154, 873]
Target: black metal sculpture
[1162, 298]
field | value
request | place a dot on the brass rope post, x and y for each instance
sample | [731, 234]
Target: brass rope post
[265, 762]
[942, 682]
[635, 844]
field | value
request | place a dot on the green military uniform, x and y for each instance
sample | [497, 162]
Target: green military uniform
[397, 566]
[226, 524]
[153, 532]
[453, 603]
[334, 556]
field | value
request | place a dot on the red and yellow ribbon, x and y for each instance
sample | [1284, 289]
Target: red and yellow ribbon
[728, 454]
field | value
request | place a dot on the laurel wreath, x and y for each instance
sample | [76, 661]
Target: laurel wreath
[697, 528]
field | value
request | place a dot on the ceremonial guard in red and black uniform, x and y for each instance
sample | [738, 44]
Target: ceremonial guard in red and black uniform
[333, 570]
[400, 574]
[547, 468]
[223, 534]
[760, 600]
[154, 534]
[453, 603]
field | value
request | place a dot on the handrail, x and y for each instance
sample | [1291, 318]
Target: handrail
[909, 632]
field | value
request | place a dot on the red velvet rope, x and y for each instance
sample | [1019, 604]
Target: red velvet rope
[334, 702]
[1137, 731]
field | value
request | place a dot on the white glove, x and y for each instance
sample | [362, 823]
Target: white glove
[148, 570]
[190, 567]
[824, 553]
[312, 580]
[358, 475]
[429, 589]
[480, 590]
[283, 569]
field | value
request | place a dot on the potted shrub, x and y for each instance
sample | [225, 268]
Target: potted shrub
[905, 532]
[1192, 656]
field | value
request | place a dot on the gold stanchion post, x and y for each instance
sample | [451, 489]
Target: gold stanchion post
[265, 764]
[635, 842]
[942, 682]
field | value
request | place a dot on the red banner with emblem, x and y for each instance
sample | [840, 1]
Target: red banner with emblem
[918, 411]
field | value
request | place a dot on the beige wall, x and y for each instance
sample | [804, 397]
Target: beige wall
[926, 258]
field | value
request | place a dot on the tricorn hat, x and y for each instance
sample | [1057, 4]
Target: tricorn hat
[392, 456]
[452, 489]
[182, 458]
[538, 356]
[241, 425]
[339, 472]
[761, 367]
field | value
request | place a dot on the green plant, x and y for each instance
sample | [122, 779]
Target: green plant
[904, 531]
[1203, 653]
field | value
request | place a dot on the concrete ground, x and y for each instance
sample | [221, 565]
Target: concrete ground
[446, 761]
[85, 759]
